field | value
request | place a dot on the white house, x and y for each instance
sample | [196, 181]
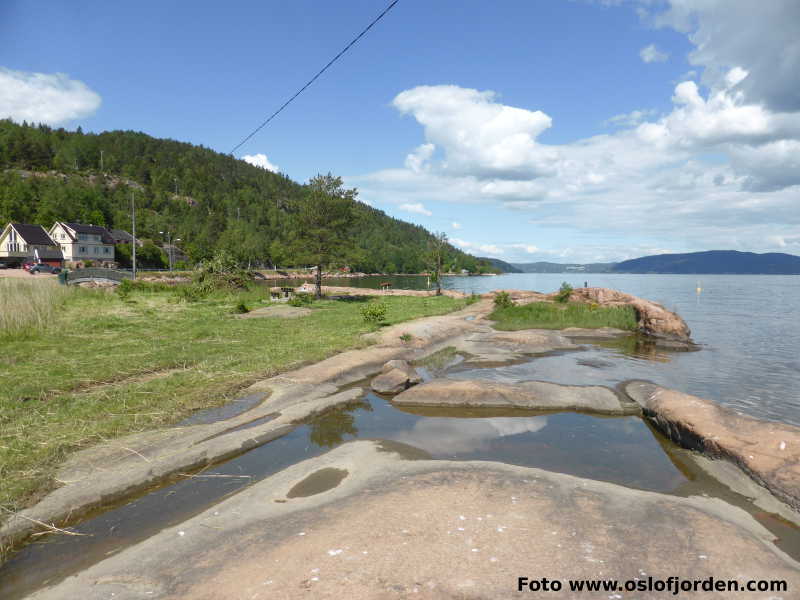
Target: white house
[83, 242]
[21, 243]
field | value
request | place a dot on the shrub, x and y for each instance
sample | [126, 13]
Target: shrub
[564, 292]
[503, 300]
[406, 337]
[190, 293]
[220, 272]
[302, 299]
[241, 308]
[374, 312]
[472, 298]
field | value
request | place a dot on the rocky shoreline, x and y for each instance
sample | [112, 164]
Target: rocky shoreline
[767, 453]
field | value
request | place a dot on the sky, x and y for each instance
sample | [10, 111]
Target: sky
[527, 130]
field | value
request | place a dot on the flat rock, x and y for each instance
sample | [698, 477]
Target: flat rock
[392, 381]
[769, 452]
[533, 395]
[380, 526]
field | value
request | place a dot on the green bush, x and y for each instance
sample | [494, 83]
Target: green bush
[190, 293]
[374, 312]
[503, 300]
[406, 337]
[564, 292]
[220, 272]
[472, 298]
[241, 308]
[301, 299]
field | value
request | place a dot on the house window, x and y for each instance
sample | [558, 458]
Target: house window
[105, 250]
[82, 249]
[63, 248]
[61, 236]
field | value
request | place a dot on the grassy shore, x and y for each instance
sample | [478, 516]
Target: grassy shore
[552, 315]
[89, 365]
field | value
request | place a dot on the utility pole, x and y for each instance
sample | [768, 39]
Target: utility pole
[133, 222]
[169, 246]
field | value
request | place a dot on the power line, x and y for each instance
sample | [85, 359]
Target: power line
[313, 79]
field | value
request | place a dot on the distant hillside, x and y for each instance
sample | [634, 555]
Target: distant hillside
[550, 267]
[714, 262]
[501, 265]
[210, 201]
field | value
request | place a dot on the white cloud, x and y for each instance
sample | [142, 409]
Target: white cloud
[759, 37]
[529, 248]
[650, 54]
[261, 160]
[44, 98]
[477, 133]
[720, 169]
[455, 225]
[417, 160]
[416, 207]
[631, 119]
[617, 182]
[485, 249]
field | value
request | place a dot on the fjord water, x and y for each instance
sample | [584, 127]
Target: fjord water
[747, 325]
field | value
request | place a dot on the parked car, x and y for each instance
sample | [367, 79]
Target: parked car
[43, 268]
[3, 265]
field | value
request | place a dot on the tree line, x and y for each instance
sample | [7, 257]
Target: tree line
[211, 201]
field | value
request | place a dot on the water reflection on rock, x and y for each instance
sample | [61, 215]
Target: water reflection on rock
[445, 436]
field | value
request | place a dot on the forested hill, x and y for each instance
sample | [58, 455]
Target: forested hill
[209, 200]
[714, 261]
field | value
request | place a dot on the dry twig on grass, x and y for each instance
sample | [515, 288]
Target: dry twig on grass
[50, 527]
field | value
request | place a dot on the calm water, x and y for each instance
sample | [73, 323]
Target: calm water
[748, 326]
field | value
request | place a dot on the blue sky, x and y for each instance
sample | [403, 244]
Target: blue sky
[528, 130]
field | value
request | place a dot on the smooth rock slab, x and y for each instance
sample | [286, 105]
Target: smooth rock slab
[534, 395]
[395, 528]
[767, 451]
[396, 376]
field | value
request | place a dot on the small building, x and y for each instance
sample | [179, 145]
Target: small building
[120, 236]
[21, 243]
[81, 243]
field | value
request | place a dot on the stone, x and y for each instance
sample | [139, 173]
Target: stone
[431, 529]
[533, 395]
[768, 452]
[654, 319]
[392, 381]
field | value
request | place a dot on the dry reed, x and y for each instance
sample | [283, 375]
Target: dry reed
[29, 306]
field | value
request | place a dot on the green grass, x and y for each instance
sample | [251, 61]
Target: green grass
[548, 315]
[106, 366]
